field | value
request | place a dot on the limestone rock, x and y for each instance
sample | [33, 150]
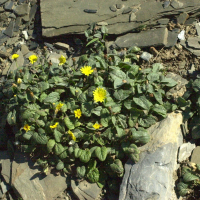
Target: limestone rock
[195, 155]
[157, 37]
[185, 151]
[29, 182]
[22, 10]
[152, 176]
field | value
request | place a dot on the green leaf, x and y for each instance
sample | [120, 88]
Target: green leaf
[39, 138]
[101, 153]
[134, 49]
[63, 155]
[158, 97]
[43, 86]
[182, 188]
[117, 167]
[93, 175]
[86, 108]
[85, 156]
[128, 104]
[53, 97]
[147, 121]
[77, 152]
[120, 132]
[196, 132]
[92, 41]
[141, 136]
[40, 123]
[153, 76]
[58, 148]
[105, 117]
[50, 144]
[68, 123]
[81, 171]
[43, 96]
[143, 102]
[57, 135]
[11, 118]
[118, 83]
[60, 165]
[160, 110]
[169, 82]
[189, 176]
[117, 74]
[97, 110]
[196, 85]
[28, 135]
[121, 94]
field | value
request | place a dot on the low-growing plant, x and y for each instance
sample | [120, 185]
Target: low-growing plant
[86, 119]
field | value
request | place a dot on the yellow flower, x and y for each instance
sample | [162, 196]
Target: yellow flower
[72, 135]
[19, 81]
[99, 94]
[87, 70]
[96, 126]
[33, 58]
[77, 113]
[55, 125]
[59, 106]
[15, 95]
[15, 56]
[62, 60]
[27, 127]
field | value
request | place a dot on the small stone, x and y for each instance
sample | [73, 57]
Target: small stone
[181, 19]
[197, 25]
[32, 12]
[179, 46]
[60, 45]
[113, 8]
[90, 11]
[9, 6]
[190, 21]
[4, 54]
[21, 10]
[3, 38]
[25, 18]
[12, 15]
[146, 56]
[33, 45]
[172, 39]
[2, 10]
[181, 35]
[176, 4]
[11, 41]
[102, 23]
[10, 29]
[50, 46]
[119, 6]
[163, 21]
[182, 64]
[166, 4]
[195, 158]
[194, 42]
[17, 24]
[192, 71]
[127, 10]
[132, 17]
[24, 49]
[2, 2]
[25, 35]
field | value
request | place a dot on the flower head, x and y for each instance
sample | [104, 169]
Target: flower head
[72, 135]
[96, 126]
[59, 106]
[77, 113]
[55, 125]
[15, 56]
[27, 127]
[87, 70]
[99, 94]
[33, 58]
[19, 81]
[62, 60]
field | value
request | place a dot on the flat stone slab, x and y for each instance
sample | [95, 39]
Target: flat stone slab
[70, 17]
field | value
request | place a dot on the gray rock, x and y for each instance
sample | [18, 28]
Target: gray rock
[12, 15]
[4, 54]
[163, 21]
[60, 45]
[85, 190]
[25, 35]
[21, 10]
[146, 56]
[182, 64]
[179, 89]
[194, 42]
[190, 21]
[24, 49]
[36, 186]
[181, 19]
[192, 71]
[17, 24]
[32, 12]
[113, 8]
[119, 6]
[102, 23]
[166, 4]
[176, 4]
[192, 50]
[172, 38]
[157, 37]
[132, 17]
[2, 10]
[10, 29]
[185, 151]
[12, 41]
[153, 176]
[195, 158]
[197, 25]
[127, 10]
[2, 2]
[118, 23]
[3, 38]
[9, 6]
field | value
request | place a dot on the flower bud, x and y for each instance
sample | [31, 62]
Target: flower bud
[19, 81]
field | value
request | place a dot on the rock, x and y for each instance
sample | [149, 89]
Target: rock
[4, 54]
[181, 35]
[32, 12]
[118, 23]
[102, 24]
[17, 24]
[146, 56]
[10, 29]
[54, 57]
[60, 45]
[163, 21]
[25, 35]
[132, 17]
[192, 71]
[176, 4]
[181, 19]
[12, 41]
[2, 2]
[190, 21]
[179, 89]
[9, 6]
[113, 8]
[182, 64]
[166, 4]
[36, 186]
[185, 151]
[3, 38]
[21, 10]
[85, 190]
[12, 15]
[33, 45]
[192, 50]
[195, 158]
[194, 42]
[172, 38]
[24, 49]
[1, 10]
[197, 25]
[143, 39]
[153, 176]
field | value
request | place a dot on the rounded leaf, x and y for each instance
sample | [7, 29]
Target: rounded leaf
[85, 156]
[81, 171]
[50, 145]
[60, 165]
[93, 175]
[101, 153]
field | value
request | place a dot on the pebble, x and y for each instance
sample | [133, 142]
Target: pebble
[181, 19]
[181, 35]
[24, 49]
[9, 6]
[176, 4]
[132, 17]
[146, 56]
[90, 11]
[195, 158]
[119, 6]
[166, 4]
[182, 64]
[113, 8]
[63, 46]
[127, 10]
[21, 10]
[197, 25]
[25, 35]
[192, 70]
[9, 30]
[2, 2]
[102, 23]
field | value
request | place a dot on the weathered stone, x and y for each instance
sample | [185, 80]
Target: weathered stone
[185, 151]
[24, 49]
[25, 35]
[32, 12]
[119, 6]
[194, 42]
[17, 24]
[182, 64]
[60, 45]
[146, 56]
[3, 38]
[12, 15]
[2, 10]
[181, 19]
[179, 89]
[154, 38]
[132, 17]
[176, 4]
[152, 176]
[172, 38]
[4, 54]
[2, 2]
[192, 50]
[54, 57]
[10, 29]
[166, 4]
[195, 158]
[127, 10]
[197, 25]
[181, 35]
[33, 45]
[85, 190]
[113, 8]
[163, 21]
[21, 10]
[190, 21]
[9, 6]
